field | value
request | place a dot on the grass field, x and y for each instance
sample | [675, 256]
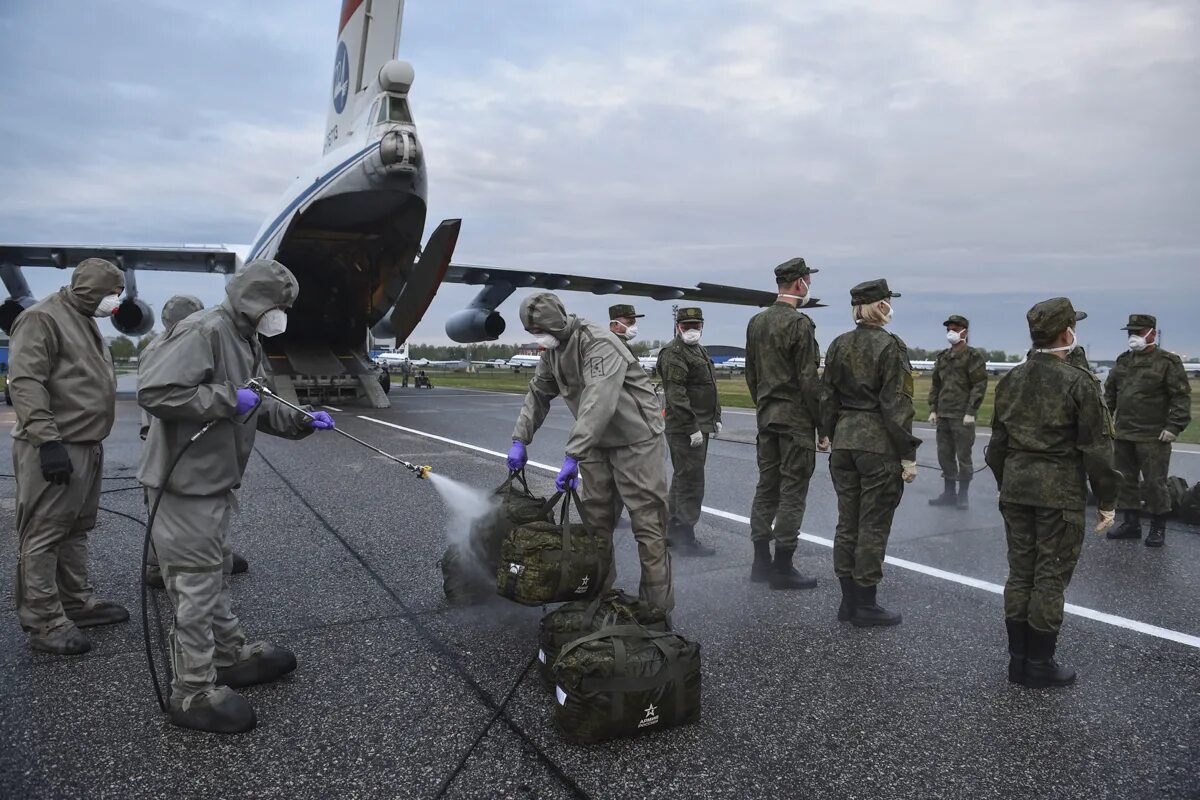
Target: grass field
[734, 393]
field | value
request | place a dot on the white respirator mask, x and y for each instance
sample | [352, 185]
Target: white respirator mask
[1137, 343]
[690, 337]
[630, 332]
[107, 306]
[547, 341]
[273, 323]
[888, 319]
[953, 337]
[1065, 348]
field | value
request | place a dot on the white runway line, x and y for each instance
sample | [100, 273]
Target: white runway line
[913, 566]
[331, 408]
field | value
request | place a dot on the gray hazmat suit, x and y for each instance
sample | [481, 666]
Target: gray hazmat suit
[190, 379]
[63, 389]
[617, 435]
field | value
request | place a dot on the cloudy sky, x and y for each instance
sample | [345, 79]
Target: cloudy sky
[979, 155]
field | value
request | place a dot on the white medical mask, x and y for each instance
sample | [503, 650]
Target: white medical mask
[107, 306]
[888, 319]
[630, 332]
[273, 323]
[953, 337]
[800, 301]
[1137, 343]
[547, 341]
[1065, 348]
[690, 337]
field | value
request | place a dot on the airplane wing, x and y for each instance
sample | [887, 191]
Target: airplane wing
[479, 275]
[219, 259]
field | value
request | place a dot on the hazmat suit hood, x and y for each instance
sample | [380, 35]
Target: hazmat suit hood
[258, 288]
[177, 308]
[92, 281]
[544, 311]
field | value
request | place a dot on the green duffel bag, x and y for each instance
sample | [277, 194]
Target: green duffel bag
[469, 568]
[625, 681]
[578, 618]
[544, 562]
[1177, 489]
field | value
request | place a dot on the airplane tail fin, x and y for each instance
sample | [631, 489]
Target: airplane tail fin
[368, 36]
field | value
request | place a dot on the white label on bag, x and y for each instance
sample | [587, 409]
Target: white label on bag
[560, 695]
[541, 655]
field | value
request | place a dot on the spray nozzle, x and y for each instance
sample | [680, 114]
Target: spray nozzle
[423, 472]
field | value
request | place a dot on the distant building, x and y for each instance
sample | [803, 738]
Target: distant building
[530, 349]
[721, 353]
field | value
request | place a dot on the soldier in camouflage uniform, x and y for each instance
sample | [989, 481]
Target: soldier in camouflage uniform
[693, 413]
[622, 321]
[870, 412]
[1050, 436]
[1149, 394]
[959, 384]
[782, 358]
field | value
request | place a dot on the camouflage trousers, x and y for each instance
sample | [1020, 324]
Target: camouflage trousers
[1043, 548]
[52, 527]
[687, 483]
[786, 461]
[869, 488]
[1150, 460]
[954, 445]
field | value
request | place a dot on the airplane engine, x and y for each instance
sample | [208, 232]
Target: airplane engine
[475, 325]
[133, 318]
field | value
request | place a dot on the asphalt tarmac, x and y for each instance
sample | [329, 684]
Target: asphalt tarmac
[394, 686]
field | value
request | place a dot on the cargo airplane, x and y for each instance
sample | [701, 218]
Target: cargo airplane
[350, 230]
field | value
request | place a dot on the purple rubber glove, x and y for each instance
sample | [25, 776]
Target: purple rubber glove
[568, 476]
[517, 456]
[321, 421]
[247, 399]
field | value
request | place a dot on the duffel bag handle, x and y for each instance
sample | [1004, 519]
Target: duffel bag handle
[519, 476]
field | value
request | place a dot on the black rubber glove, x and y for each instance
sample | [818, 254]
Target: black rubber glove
[56, 464]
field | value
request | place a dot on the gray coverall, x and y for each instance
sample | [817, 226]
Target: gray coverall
[617, 436]
[189, 379]
[64, 389]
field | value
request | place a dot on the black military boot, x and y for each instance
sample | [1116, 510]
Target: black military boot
[1158, 531]
[784, 576]
[963, 503]
[760, 572]
[849, 599]
[948, 497]
[686, 544]
[217, 710]
[239, 564]
[869, 614]
[1130, 527]
[1041, 670]
[1016, 649]
[261, 662]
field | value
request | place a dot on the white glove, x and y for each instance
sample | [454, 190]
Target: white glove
[823, 444]
[697, 439]
[933, 418]
[719, 426]
[1105, 520]
[969, 420]
[908, 471]
[1167, 436]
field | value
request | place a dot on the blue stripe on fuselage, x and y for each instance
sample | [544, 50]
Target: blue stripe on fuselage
[307, 193]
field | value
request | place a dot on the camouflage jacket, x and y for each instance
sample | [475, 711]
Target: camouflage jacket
[1050, 436]
[1148, 393]
[870, 393]
[782, 359]
[690, 388]
[959, 382]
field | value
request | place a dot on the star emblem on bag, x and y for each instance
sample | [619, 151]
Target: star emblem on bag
[651, 710]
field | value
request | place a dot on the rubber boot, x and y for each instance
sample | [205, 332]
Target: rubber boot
[784, 576]
[65, 640]
[259, 662]
[1158, 531]
[686, 544]
[239, 564]
[1041, 670]
[849, 599]
[867, 613]
[1130, 527]
[217, 710]
[1016, 649]
[760, 571]
[98, 612]
[962, 502]
[948, 497]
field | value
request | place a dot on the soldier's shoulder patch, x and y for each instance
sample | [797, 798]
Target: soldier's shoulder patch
[909, 385]
[596, 367]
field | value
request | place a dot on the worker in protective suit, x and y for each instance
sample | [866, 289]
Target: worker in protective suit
[174, 311]
[870, 413]
[64, 392]
[616, 444]
[195, 376]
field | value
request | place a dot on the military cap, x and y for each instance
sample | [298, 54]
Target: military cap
[792, 270]
[623, 311]
[689, 315]
[1140, 322]
[955, 319]
[871, 292]
[1051, 317]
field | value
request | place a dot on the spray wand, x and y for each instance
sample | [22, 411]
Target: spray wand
[421, 471]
